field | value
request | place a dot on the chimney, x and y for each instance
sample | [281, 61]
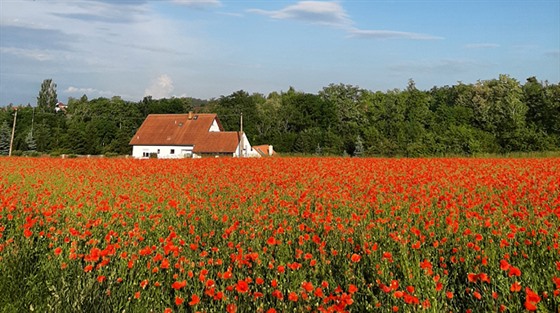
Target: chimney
[190, 115]
[270, 150]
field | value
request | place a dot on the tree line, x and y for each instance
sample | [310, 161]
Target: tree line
[499, 115]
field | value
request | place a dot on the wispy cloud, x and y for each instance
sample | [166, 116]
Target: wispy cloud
[332, 14]
[390, 34]
[553, 54]
[34, 54]
[199, 4]
[114, 12]
[317, 12]
[439, 66]
[482, 46]
[77, 91]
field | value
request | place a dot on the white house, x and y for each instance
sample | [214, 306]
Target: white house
[188, 135]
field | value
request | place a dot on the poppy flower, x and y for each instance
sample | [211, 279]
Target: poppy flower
[242, 286]
[179, 301]
[504, 265]
[179, 285]
[292, 296]
[194, 300]
[515, 287]
[231, 308]
[477, 295]
[514, 271]
[307, 286]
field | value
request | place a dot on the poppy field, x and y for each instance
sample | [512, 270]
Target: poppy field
[280, 235]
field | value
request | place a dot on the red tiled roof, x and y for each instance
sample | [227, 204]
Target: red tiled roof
[179, 130]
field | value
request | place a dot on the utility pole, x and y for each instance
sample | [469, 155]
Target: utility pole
[13, 132]
[241, 140]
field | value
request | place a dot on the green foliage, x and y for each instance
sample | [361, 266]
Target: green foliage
[30, 142]
[492, 116]
[359, 147]
[4, 138]
[47, 99]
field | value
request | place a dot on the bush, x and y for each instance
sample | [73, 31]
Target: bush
[111, 155]
[32, 154]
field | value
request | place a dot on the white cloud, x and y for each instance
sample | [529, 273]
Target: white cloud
[332, 14]
[390, 34]
[34, 54]
[198, 4]
[482, 46]
[161, 87]
[317, 12]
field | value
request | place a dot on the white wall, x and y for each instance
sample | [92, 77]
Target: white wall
[248, 150]
[163, 152]
[214, 127]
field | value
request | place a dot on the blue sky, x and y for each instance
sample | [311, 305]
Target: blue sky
[209, 48]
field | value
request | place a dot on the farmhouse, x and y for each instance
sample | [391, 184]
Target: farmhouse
[188, 135]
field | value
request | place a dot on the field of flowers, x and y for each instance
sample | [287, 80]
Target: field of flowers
[279, 235]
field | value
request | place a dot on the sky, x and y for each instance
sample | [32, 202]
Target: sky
[211, 48]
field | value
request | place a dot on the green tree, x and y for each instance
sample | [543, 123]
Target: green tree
[5, 134]
[348, 106]
[229, 109]
[30, 142]
[543, 114]
[47, 99]
[417, 120]
[359, 147]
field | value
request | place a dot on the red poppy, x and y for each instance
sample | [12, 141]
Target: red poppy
[477, 295]
[292, 296]
[515, 287]
[242, 286]
[514, 271]
[179, 300]
[179, 284]
[194, 300]
[504, 265]
[307, 286]
[231, 308]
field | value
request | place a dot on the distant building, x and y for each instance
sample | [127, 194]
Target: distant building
[264, 150]
[186, 136]
[60, 107]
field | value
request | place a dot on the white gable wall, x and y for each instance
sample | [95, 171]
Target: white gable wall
[163, 152]
[247, 149]
[214, 127]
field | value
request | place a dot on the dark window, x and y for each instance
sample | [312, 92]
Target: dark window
[172, 151]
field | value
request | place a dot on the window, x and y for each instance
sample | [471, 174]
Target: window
[145, 154]
[172, 151]
[157, 151]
